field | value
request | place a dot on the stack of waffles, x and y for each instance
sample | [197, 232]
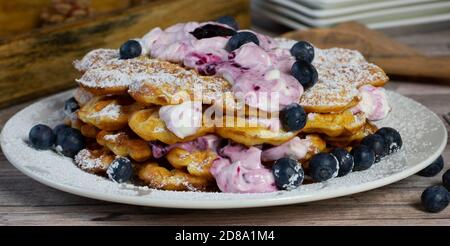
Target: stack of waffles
[179, 124]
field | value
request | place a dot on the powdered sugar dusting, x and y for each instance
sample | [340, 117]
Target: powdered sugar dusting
[341, 73]
[424, 136]
[111, 111]
[86, 161]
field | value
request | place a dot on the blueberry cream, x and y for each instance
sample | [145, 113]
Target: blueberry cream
[251, 62]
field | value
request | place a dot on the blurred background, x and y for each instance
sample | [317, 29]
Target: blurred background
[376, 14]
[39, 39]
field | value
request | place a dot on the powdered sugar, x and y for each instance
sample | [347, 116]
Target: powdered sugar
[111, 111]
[424, 137]
[88, 162]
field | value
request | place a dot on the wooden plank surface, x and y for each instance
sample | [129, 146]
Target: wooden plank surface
[40, 63]
[26, 202]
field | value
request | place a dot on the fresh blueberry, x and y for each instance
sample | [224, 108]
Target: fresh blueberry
[288, 173]
[446, 179]
[376, 143]
[363, 157]
[435, 198]
[130, 49]
[323, 166]
[434, 168]
[57, 129]
[69, 142]
[392, 139]
[293, 117]
[211, 30]
[239, 39]
[345, 161]
[70, 106]
[41, 137]
[229, 21]
[120, 170]
[303, 51]
[305, 73]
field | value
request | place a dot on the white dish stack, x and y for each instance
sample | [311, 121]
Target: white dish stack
[377, 14]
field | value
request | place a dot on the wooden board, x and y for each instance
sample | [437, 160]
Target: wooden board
[40, 63]
[21, 16]
[398, 60]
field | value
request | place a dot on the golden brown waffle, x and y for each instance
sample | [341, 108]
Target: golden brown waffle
[159, 177]
[94, 160]
[149, 81]
[317, 145]
[108, 113]
[253, 132]
[341, 72]
[148, 125]
[125, 143]
[345, 141]
[197, 162]
[333, 125]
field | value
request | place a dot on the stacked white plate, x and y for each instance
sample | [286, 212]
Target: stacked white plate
[377, 14]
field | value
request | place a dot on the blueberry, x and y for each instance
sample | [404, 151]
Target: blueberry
[392, 139]
[130, 49]
[434, 168]
[229, 21]
[239, 39]
[305, 73]
[446, 179]
[376, 143]
[435, 198]
[70, 106]
[57, 129]
[120, 170]
[293, 117]
[345, 161]
[323, 166]
[41, 137]
[288, 173]
[69, 142]
[210, 31]
[303, 51]
[363, 157]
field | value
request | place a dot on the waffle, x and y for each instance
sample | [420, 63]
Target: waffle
[148, 125]
[253, 132]
[94, 160]
[125, 143]
[341, 72]
[148, 81]
[197, 162]
[158, 177]
[124, 104]
[333, 125]
[345, 141]
[107, 113]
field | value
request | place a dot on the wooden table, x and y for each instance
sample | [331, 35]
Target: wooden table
[24, 201]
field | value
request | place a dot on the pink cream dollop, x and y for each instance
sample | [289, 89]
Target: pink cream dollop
[373, 103]
[239, 170]
[258, 73]
[296, 148]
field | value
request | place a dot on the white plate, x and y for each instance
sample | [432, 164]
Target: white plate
[401, 16]
[378, 6]
[342, 4]
[424, 139]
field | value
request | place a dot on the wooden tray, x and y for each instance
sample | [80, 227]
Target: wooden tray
[40, 63]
